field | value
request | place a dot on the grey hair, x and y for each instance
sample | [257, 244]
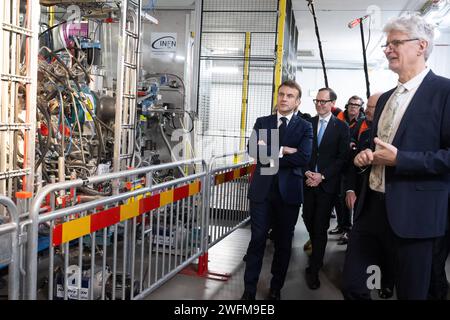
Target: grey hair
[415, 27]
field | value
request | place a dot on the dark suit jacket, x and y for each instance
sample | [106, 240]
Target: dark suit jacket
[298, 135]
[304, 116]
[416, 188]
[332, 154]
[354, 176]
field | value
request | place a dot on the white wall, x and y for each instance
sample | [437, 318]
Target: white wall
[345, 83]
[439, 60]
[350, 82]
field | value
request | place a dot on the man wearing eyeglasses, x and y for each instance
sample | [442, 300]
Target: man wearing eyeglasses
[353, 115]
[329, 155]
[404, 198]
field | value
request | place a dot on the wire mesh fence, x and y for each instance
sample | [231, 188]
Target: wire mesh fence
[237, 64]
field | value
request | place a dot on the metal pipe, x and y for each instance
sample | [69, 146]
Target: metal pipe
[12, 227]
[164, 279]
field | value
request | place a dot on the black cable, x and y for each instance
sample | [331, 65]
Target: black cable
[51, 28]
[311, 5]
[71, 76]
[49, 136]
[368, 40]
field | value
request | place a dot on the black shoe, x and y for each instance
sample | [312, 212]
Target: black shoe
[343, 240]
[248, 296]
[336, 230]
[274, 295]
[385, 293]
[312, 279]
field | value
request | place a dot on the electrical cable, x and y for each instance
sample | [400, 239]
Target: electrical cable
[172, 155]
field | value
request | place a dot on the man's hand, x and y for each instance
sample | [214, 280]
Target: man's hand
[385, 154]
[314, 179]
[364, 158]
[261, 143]
[289, 150]
[350, 199]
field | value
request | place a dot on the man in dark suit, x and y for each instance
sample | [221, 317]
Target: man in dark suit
[404, 198]
[277, 186]
[329, 155]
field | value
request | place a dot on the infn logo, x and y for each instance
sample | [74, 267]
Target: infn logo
[166, 42]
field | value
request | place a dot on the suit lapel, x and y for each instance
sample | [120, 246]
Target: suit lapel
[273, 122]
[315, 123]
[424, 86]
[291, 126]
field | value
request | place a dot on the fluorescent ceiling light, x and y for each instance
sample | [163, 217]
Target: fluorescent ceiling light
[149, 18]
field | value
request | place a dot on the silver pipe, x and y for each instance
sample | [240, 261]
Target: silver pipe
[141, 274]
[133, 256]
[161, 281]
[105, 230]
[124, 264]
[114, 275]
[13, 227]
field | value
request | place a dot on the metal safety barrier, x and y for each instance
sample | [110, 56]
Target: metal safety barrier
[227, 194]
[126, 245]
[117, 247]
[227, 207]
[9, 244]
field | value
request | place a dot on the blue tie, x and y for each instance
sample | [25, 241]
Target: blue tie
[321, 131]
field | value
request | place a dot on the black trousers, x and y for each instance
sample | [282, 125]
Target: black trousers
[316, 215]
[373, 243]
[343, 214]
[281, 217]
[439, 283]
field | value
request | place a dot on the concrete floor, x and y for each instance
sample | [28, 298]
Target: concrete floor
[226, 257]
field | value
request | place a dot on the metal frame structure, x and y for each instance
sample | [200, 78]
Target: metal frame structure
[190, 208]
[17, 116]
[11, 229]
[128, 65]
[83, 209]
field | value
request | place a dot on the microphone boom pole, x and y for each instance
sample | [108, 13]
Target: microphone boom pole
[366, 72]
[310, 3]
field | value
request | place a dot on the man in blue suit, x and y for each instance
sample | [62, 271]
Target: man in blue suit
[404, 198]
[276, 189]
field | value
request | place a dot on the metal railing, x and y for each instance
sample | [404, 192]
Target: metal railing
[9, 247]
[126, 233]
[124, 246]
[227, 194]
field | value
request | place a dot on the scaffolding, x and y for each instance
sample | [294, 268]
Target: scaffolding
[19, 21]
[127, 76]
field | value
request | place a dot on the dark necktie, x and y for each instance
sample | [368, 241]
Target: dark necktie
[282, 129]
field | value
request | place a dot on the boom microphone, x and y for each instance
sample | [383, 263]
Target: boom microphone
[356, 22]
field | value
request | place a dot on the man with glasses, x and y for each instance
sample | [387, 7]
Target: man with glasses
[402, 206]
[329, 155]
[353, 115]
